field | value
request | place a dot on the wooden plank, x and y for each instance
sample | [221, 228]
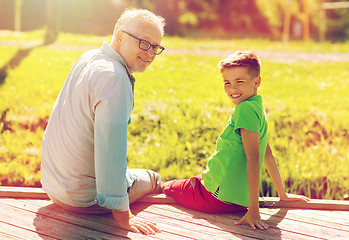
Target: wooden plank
[191, 229]
[308, 216]
[319, 217]
[194, 227]
[220, 224]
[157, 198]
[22, 192]
[58, 228]
[305, 223]
[170, 230]
[38, 193]
[102, 223]
[30, 221]
[282, 224]
[308, 228]
[6, 236]
[108, 220]
[8, 231]
[73, 222]
[313, 204]
[175, 221]
[267, 202]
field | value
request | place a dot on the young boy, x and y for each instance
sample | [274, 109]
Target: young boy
[232, 176]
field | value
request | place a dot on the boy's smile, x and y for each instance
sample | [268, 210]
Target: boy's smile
[235, 96]
[239, 85]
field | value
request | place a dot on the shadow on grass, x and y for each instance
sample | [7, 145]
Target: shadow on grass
[19, 56]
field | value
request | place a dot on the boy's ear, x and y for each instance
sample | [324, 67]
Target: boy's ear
[257, 83]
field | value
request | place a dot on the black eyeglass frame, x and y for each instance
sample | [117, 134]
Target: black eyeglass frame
[149, 44]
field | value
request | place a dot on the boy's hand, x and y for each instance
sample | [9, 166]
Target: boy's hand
[253, 219]
[294, 198]
[128, 221]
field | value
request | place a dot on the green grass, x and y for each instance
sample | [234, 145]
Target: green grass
[184, 114]
[255, 44]
[190, 42]
[181, 108]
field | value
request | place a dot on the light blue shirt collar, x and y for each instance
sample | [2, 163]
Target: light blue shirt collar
[115, 55]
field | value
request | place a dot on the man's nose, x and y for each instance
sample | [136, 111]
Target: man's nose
[151, 52]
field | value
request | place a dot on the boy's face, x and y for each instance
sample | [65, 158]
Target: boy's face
[239, 85]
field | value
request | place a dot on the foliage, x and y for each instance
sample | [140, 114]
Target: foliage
[274, 10]
[242, 17]
[181, 108]
[337, 23]
[182, 127]
[219, 17]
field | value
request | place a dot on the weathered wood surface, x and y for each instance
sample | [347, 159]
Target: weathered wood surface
[41, 219]
[22, 192]
[38, 193]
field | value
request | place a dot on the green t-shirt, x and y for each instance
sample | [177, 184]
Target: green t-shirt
[227, 167]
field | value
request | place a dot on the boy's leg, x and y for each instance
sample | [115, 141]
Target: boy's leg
[192, 194]
[187, 193]
[147, 181]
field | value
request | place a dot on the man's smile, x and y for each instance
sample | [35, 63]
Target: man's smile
[143, 60]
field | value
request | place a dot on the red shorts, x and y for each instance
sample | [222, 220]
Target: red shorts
[192, 194]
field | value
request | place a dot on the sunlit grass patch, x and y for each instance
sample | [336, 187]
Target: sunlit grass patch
[181, 108]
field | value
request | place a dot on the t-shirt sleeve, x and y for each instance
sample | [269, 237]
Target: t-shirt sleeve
[246, 117]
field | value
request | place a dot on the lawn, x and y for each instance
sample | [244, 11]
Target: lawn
[181, 108]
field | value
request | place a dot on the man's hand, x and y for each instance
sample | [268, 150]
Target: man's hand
[253, 219]
[128, 221]
[294, 198]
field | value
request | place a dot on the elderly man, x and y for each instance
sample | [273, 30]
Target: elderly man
[83, 160]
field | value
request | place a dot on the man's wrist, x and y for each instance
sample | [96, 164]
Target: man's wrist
[120, 216]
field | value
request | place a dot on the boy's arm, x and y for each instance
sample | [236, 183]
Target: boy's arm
[273, 170]
[250, 141]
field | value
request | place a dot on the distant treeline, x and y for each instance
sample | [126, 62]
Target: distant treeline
[221, 18]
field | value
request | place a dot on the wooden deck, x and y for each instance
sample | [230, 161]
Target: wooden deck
[25, 218]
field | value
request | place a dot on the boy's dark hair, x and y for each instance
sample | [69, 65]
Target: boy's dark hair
[247, 59]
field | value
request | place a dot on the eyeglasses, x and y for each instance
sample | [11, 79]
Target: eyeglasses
[145, 45]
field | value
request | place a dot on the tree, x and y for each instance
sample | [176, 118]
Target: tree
[18, 15]
[52, 20]
[239, 17]
[285, 16]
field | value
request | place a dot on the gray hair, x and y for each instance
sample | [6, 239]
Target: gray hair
[130, 15]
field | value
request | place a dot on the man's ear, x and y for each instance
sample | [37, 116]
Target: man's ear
[119, 38]
[257, 83]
